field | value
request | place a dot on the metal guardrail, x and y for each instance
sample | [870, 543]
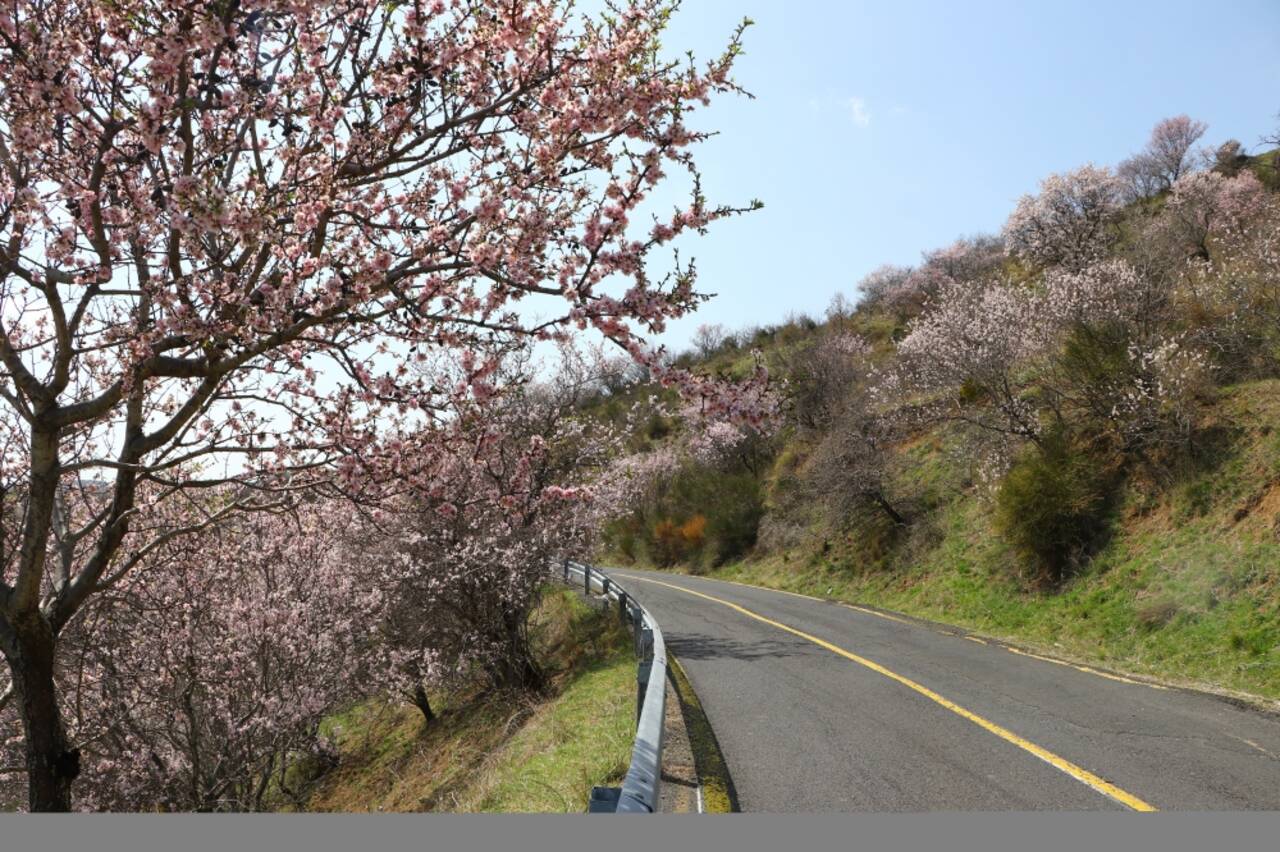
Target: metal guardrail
[640, 789]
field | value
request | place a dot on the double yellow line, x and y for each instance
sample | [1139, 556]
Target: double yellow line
[1082, 775]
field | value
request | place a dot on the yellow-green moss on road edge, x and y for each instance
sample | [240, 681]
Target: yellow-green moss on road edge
[713, 773]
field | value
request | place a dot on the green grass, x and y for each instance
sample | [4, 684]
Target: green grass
[1180, 604]
[1187, 588]
[582, 739]
[490, 752]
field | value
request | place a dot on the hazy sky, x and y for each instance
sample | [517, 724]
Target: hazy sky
[881, 129]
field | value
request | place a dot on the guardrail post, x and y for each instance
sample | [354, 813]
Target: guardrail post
[586, 578]
[566, 570]
[622, 606]
[642, 685]
[604, 800]
[604, 585]
[636, 623]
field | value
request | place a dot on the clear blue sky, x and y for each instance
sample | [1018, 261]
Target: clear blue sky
[881, 129]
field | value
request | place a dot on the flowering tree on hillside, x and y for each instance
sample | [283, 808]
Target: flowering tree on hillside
[973, 342]
[884, 285]
[1093, 347]
[474, 530]
[1071, 222]
[1229, 158]
[228, 231]
[1236, 292]
[1167, 157]
[199, 682]
[820, 374]
[853, 456]
[1205, 205]
[1121, 365]
[906, 290]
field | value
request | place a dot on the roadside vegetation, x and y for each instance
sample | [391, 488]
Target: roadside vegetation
[1066, 434]
[503, 752]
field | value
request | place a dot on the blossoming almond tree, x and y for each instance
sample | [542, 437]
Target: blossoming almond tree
[1237, 290]
[228, 229]
[200, 682]
[974, 340]
[474, 530]
[1071, 222]
[1169, 155]
[1094, 346]
[1203, 205]
[852, 457]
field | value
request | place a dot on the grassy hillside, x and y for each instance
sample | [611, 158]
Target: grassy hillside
[500, 753]
[1155, 550]
[1187, 585]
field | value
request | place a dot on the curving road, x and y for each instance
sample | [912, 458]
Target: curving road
[820, 706]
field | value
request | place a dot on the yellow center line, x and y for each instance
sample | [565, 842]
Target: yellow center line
[878, 614]
[1082, 775]
[1269, 754]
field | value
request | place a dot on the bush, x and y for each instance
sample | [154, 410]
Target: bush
[702, 518]
[668, 548]
[674, 542]
[1155, 614]
[733, 519]
[656, 428]
[621, 534]
[1053, 506]
[693, 531]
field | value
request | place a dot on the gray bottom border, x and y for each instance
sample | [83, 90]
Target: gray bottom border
[1069, 832]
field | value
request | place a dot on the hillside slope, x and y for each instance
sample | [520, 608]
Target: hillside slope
[1187, 585]
[494, 752]
[1080, 454]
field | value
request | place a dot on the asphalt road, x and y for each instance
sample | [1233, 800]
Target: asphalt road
[869, 712]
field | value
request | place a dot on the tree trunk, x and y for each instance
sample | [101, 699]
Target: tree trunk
[518, 672]
[517, 669]
[51, 764]
[423, 703]
[889, 510]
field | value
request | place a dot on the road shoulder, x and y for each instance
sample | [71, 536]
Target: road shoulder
[716, 794]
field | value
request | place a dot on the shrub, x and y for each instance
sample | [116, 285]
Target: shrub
[1155, 614]
[656, 428]
[820, 374]
[668, 546]
[693, 531]
[1053, 506]
[621, 534]
[733, 520]
[1230, 158]
[704, 519]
